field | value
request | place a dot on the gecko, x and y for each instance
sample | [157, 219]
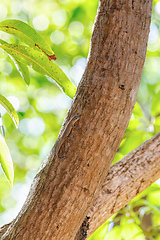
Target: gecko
[66, 133]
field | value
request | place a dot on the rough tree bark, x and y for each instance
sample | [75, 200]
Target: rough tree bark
[126, 179]
[68, 182]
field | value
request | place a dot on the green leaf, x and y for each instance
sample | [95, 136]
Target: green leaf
[155, 110]
[6, 161]
[40, 63]
[10, 109]
[114, 234]
[132, 231]
[23, 70]
[28, 35]
[154, 198]
[100, 232]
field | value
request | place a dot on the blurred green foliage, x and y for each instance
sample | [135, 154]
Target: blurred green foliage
[67, 26]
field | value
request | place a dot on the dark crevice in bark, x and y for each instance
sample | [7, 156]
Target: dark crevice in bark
[82, 233]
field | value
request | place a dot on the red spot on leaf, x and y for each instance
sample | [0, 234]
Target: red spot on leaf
[52, 57]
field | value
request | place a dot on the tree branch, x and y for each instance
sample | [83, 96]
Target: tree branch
[125, 180]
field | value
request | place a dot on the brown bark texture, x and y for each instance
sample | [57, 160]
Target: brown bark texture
[125, 180]
[69, 179]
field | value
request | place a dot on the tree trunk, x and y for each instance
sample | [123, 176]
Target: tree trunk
[72, 175]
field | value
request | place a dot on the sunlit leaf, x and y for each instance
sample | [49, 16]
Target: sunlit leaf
[132, 231]
[23, 70]
[114, 234]
[28, 35]
[40, 63]
[155, 110]
[10, 109]
[154, 198]
[100, 232]
[6, 160]
[132, 141]
[137, 111]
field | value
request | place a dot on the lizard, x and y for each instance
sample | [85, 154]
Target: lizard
[66, 133]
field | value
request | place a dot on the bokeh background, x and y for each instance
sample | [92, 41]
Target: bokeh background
[67, 26]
